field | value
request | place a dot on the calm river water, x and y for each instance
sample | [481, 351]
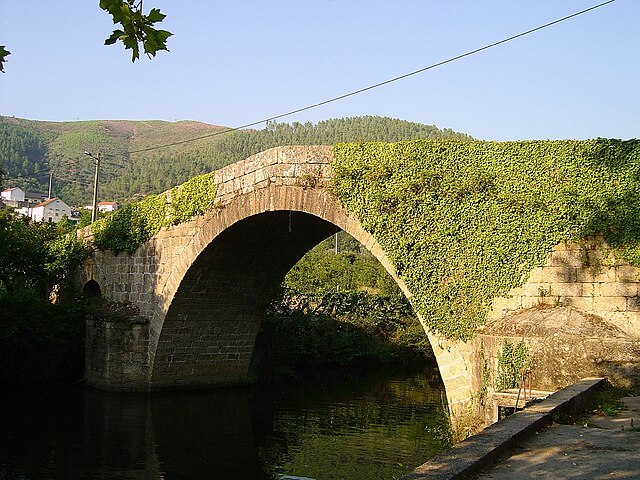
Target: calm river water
[367, 426]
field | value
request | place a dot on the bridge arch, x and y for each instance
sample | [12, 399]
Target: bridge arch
[91, 289]
[205, 284]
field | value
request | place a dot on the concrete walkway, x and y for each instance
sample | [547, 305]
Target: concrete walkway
[529, 445]
[565, 451]
[608, 448]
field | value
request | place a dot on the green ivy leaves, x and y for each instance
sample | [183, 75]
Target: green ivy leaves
[513, 363]
[466, 221]
[137, 28]
[134, 224]
[193, 197]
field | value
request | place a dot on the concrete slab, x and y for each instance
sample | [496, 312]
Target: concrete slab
[468, 457]
[610, 450]
[570, 452]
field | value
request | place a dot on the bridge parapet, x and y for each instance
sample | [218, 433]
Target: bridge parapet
[297, 166]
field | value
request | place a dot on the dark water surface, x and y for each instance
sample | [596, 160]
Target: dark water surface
[366, 426]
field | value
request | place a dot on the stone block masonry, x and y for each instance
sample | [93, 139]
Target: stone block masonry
[578, 316]
[585, 276]
[117, 354]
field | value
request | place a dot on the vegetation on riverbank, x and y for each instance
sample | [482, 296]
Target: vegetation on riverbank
[40, 342]
[306, 332]
[41, 319]
[338, 308]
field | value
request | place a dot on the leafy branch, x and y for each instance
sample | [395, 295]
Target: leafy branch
[137, 28]
[4, 53]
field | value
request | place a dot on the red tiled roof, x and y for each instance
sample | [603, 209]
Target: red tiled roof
[47, 202]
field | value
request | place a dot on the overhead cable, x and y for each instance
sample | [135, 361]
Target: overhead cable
[377, 85]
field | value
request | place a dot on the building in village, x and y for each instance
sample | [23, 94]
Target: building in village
[107, 207]
[52, 210]
[36, 205]
[35, 198]
[17, 198]
[13, 196]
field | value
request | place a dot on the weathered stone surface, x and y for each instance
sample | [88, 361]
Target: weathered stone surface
[467, 458]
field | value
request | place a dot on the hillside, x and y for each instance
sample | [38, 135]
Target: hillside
[132, 166]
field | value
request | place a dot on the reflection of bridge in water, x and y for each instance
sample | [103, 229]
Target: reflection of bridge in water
[204, 285]
[326, 426]
[176, 437]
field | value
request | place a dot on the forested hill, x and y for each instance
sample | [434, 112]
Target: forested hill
[30, 149]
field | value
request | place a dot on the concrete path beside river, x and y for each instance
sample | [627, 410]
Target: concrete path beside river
[608, 448]
[529, 445]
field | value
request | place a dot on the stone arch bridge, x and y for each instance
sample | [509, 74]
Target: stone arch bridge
[203, 286]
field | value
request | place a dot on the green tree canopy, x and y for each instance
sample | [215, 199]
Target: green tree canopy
[35, 256]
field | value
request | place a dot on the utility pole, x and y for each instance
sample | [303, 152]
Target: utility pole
[50, 181]
[336, 246]
[96, 161]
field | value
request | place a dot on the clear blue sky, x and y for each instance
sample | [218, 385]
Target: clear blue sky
[234, 62]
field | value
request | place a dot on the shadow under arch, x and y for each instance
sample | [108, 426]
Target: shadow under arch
[91, 289]
[204, 330]
[210, 327]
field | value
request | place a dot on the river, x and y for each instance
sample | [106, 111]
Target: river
[361, 426]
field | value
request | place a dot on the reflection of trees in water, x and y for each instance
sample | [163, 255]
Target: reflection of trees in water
[352, 427]
[362, 427]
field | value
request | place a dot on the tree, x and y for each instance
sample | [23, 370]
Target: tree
[137, 29]
[35, 256]
[23, 252]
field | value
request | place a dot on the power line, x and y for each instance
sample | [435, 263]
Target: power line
[380, 84]
[26, 175]
[70, 163]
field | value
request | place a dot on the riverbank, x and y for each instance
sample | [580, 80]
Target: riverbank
[541, 447]
[572, 451]
[605, 445]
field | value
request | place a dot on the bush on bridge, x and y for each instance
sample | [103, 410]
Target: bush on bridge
[466, 221]
[134, 224]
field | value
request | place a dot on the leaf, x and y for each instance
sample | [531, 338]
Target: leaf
[162, 36]
[3, 57]
[115, 36]
[155, 16]
[137, 28]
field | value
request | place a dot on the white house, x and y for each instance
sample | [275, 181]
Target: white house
[107, 207]
[15, 194]
[52, 210]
